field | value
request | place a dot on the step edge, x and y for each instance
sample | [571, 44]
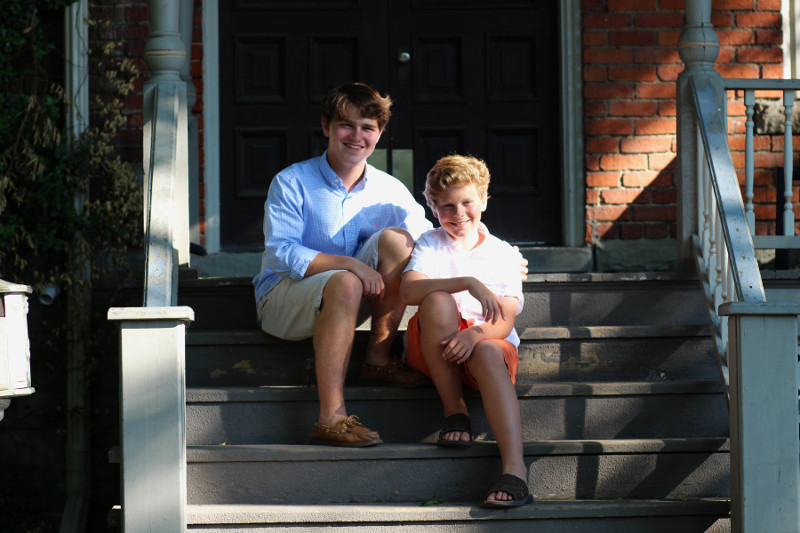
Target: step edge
[313, 453]
[452, 511]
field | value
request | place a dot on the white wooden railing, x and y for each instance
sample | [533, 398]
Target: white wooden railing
[152, 337]
[756, 340]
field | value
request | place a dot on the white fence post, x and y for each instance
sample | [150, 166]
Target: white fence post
[153, 428]
[762, 357]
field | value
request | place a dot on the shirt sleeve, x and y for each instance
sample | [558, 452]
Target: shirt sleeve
[283, 229]
[422, 256]
[510, 283]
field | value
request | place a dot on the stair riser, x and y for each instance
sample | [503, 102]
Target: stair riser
[611, 305]
[417, 420]
[639, 476]
[660, 524]
[232, 305]
[637, 359]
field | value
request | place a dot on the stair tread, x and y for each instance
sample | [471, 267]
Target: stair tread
[448, 511]
[310, 452]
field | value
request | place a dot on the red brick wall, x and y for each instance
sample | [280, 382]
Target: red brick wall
[631, 64]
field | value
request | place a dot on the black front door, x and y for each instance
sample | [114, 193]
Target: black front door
[476, 77]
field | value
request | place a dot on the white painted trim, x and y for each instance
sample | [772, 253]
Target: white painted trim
[211, 177]
[789, 45]
[572, 217]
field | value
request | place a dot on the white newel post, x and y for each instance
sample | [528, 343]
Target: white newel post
[153, 429]
[765, 472]
[15, 352]
[698, 47]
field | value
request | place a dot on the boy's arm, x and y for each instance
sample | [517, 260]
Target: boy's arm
[458, 348]
[415, 286]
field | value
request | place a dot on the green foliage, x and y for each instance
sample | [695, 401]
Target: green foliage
[70, 210]
[62, 200]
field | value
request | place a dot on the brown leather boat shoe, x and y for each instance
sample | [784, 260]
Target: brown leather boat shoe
[347, 432]
[395, 373]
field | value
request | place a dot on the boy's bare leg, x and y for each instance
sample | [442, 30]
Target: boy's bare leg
[394, 252]
[333, 340]
[502, 409]
[438, 320]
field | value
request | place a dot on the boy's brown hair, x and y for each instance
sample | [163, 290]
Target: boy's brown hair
[367, 101]
[456, 171]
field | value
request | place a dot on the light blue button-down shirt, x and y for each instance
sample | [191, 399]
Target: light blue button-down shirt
[309, 211]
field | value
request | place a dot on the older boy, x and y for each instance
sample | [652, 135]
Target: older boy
[338, 230]
[467, 285]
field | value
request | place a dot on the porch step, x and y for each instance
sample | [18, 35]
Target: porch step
[601, 410]
[691, 516]
[566, 353]
[669, 469]
[583, 299]
[624, 420]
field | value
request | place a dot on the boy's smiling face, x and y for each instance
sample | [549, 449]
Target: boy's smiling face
[459, 212]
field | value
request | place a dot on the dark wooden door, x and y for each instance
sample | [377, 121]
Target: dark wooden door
[476, 76]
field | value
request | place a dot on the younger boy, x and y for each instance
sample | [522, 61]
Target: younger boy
[467, 285]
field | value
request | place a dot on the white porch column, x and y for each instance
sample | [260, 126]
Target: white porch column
[762, 357]
[698, 47]
[193, 190]
[153, 413]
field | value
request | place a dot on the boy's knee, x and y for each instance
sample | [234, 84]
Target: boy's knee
[486, 355]
[439, 306]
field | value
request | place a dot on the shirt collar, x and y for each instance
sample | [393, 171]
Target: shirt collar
[451, 243]
[333, 180]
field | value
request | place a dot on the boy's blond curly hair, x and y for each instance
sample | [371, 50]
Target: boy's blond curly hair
[456, 171]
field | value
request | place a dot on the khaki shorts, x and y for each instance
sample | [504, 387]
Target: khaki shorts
[290, 310]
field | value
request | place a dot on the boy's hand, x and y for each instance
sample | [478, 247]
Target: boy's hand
[459, 346]
[490, 304]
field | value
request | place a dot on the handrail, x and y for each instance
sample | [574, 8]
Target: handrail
[161, 264]
[723, 245]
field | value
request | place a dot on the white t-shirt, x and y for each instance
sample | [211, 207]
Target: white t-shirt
[494, 262]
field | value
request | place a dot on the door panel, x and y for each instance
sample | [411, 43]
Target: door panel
[482, 81]
[477, 77]
[277, 60]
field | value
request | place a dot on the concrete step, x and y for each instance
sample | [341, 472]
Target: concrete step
[652, 516]
[672, 469]
[550, 300]
[285, 415]
[613, 353]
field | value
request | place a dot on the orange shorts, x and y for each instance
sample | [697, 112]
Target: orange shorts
[417, 361]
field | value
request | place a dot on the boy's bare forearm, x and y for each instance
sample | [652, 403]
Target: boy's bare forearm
[502, 328]
[414, 289]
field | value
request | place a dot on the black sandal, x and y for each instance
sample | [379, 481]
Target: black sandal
[510, 484]
[457, 422]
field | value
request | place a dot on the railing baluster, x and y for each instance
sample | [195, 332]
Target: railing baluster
[788, 213]
[749, 102]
